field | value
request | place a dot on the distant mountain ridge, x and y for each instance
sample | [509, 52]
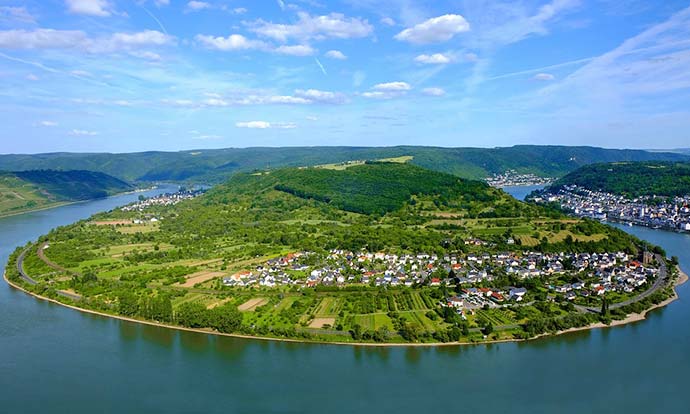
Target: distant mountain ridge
[216, 165]
[28, 190]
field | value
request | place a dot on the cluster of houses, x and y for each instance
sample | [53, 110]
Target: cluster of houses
[597, 273]
[512, 178]
[478, 297]
[167, 199]
[624, 278]
[644, 211]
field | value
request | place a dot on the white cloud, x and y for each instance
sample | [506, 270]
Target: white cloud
[387, 90]
[544, 77]
[49, 123]
[265, 125]
[216, 102]
[295, 50]
[144, 38]
[279, 99]
[435, 59]
[239, 10]
[336, 54]
[17, 14]
[144, 54]
[433, 92]
[392, 87]
[42, 39]
[311, 118]
[77, 39]
[435, 30]
[32, 77]
[230, 43]
[83, 133]
[99, 8]
[376, 95]
[332, 26]
[388, 21]
[497, 23]
[160, 3]
[358, 78]
[197, 5]
[315, 95]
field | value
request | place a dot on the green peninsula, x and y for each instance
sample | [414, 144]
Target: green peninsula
[374, 252]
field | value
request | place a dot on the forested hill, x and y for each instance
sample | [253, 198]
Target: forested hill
[27, 190]
[632, 179]
[374, 188]
[214, 166]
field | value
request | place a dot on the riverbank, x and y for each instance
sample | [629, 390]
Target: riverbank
[69, 203]
[632, 318]
[635, 317]
[42, 208]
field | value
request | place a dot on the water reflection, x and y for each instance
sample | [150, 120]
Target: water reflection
[413, 355]
[451, 351]
[194, 342]
[230, 349]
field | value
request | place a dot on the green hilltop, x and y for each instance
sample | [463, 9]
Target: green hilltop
[632, 179]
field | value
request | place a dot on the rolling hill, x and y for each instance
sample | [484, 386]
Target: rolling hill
[27, 190]
[631, 179]
[215, 166]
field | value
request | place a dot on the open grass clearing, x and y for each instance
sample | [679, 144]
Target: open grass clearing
[110, 222]
[286, 302]
[200, 277]
[329, 306]
[373, 321]
[138, 228]
[216, 303]
[252, 304]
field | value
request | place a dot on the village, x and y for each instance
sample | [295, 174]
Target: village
[652, 212]
[564, 276]
[167, 199]
[512, 178]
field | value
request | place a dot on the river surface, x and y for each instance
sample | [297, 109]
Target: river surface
[521, 191]
[57, 360]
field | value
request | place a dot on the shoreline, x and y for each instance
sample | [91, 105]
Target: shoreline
[631, 318]
[46, 207]
[635, 317]
[69, 203]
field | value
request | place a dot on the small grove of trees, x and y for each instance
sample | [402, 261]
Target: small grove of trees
[226, 318]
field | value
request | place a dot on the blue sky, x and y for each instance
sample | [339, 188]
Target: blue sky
[121, 76]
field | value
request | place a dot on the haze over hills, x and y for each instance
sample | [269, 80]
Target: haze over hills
[213, 166]
[27, 190]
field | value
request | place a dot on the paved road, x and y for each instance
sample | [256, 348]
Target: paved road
[659, 283]
[20, 267]
[31, 281]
